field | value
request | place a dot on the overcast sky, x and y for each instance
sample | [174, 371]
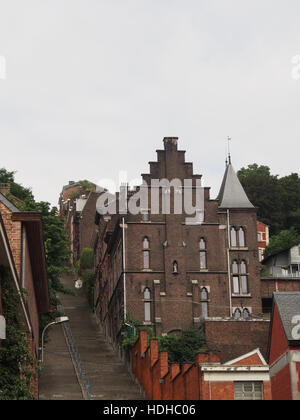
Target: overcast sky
[93, 86]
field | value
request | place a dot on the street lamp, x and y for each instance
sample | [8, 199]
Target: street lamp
[58, 320]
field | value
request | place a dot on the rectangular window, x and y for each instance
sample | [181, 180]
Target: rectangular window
[244, 284]
[147, 311]
[204, 307]
[236, 285]
[248, 391]
[202, 260]
[146, 259]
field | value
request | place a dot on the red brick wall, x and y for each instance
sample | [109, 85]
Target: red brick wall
[175, 382]
[279, 344]
[231, 339]
[281, 385]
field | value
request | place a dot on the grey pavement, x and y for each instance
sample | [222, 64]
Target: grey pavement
[103, 371]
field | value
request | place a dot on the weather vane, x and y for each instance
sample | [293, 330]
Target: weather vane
[228, 149]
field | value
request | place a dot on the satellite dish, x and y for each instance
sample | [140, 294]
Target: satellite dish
[78, 284]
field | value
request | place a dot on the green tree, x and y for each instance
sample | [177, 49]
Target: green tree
[291, 200]
[183, 348]
[14, 350]
[56, 241]
[265, 192]
[284, 240]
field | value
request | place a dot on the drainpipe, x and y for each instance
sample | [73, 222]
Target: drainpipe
[228, 262]
[124, 268]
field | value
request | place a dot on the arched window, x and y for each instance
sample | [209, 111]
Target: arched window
[233, 237]
[237, 314]
[175, 267]
[237, 237]
[146, 253]
[242, 242]
[146, 243]
[203, 255]
[147, 304]
[204, 302]
[246, 313]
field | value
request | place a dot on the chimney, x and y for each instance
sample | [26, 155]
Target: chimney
[4, 189]
[170, 143]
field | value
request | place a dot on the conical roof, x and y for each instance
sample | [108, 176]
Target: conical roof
[232, 194]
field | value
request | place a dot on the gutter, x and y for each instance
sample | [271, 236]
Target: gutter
[228, 262]
[124, 269]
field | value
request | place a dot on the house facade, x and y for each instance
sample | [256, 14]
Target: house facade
[169, 272]
[79, 222]
[22, 255]
[263, 238]
[281, 274]
[284, 346]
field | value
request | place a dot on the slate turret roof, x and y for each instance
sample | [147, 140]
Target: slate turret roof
[232, 194]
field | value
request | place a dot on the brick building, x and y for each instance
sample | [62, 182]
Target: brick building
[284, 346]
[169, 273]
[263, 238]
[22, 253]
[79, 222]
[281, 274]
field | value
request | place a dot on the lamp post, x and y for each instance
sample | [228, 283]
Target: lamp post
[58, 320]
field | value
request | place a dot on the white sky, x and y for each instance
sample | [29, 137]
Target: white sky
[93, 86]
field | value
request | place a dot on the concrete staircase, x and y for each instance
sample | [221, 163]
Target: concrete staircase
[93, 371]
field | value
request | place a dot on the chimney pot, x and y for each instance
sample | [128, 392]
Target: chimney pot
[170, 143]
[4, 188]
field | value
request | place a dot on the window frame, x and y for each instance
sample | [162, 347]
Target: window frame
[146, 253]
[241, 394]
[147, 304]
[202, 243]
[240, 278]
[204, 300]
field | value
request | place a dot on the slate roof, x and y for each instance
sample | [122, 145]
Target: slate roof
[232, 194]
[8, 204]
[288, 305]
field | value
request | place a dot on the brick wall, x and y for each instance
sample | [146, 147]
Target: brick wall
[13, 230]
[162, 381]
[232, 338]
[87, 222]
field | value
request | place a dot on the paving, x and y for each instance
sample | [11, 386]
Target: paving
[78, 362]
